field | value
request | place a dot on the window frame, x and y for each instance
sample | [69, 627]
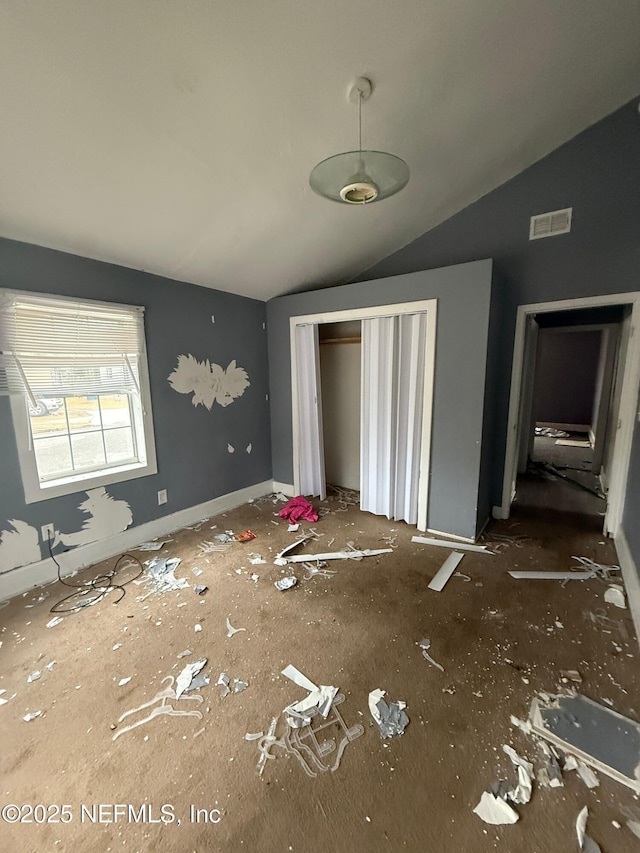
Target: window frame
[36, 491]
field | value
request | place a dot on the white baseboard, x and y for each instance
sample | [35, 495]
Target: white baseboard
[630, 576]
[500, 513]
[286, 488]
[450, 536]
[24, 578]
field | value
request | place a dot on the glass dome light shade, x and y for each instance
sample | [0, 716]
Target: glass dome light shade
[359, 177]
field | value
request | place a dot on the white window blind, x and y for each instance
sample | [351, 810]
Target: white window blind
[56, 347]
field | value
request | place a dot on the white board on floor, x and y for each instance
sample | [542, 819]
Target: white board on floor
[444, 543]
[445, 571]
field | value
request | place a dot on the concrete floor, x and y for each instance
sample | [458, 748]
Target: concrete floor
[499, 640]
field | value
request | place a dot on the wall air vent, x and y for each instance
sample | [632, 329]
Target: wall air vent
[550, 224]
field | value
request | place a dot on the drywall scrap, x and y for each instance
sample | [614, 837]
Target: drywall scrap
[318, 701]
[495, 810]
[595, 734]
[339, 555]
[615, 595]
[444, 543]
[585, 843]
[391, 718]
[445, 571]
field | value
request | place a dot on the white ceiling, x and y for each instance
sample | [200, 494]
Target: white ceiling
[177, 136]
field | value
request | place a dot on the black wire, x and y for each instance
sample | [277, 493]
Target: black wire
[93, 591]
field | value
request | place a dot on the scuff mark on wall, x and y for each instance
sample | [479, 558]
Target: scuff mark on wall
[209, 383]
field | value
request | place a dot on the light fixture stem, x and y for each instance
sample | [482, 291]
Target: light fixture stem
[360, 123]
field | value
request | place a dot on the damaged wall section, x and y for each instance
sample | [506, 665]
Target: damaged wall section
[191, 442]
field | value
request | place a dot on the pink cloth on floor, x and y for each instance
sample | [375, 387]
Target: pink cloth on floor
[298, 509]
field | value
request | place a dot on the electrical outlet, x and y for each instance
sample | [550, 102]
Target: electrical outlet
[48, 532]
[162, 496]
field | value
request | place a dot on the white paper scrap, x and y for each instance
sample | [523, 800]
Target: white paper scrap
[28, 717]
[522, 792]
[495, 810]
[124, 681]
[294, 674]
[34, 676]
[615, 595]
[187, 675]
[585, 843]
[253, 735]
[53, 622]
[445, 571]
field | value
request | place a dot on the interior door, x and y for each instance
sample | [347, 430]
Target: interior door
[311, 474]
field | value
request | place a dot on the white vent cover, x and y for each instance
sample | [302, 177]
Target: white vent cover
[550, 224]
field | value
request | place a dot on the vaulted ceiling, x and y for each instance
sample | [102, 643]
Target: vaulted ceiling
[177, 136]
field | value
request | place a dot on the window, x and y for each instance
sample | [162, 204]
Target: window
[76, 373]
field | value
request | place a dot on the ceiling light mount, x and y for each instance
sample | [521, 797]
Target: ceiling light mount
[359, 177]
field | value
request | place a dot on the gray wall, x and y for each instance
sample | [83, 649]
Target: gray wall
[565, 380]
[631, 517]
[464, 295]
[191, 443]
[598, 174]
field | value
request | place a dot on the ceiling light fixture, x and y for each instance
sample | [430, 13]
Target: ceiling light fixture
[359, 177]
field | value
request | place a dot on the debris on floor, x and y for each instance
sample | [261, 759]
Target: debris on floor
[161, 572]
[151, 546]
[495, 810]
[185, 679]
[319, 570]
[318, 700]
[585, 842]
[231, 630]
[163, 696]
[445, 571]
[425, 644]
[286, 583]
[32, 716]
[390, 718]
[345, 554]
[615, 595]
[598, 736]
[522, 792]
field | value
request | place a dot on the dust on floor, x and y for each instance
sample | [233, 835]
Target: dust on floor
[499, 640]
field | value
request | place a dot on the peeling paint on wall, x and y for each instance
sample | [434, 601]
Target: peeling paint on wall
[209, 383]
[19, 545]
[106, 518]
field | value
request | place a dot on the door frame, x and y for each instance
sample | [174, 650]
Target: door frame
[626, 414]
[428, 306]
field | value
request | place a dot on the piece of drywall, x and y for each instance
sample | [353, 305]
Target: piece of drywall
[340, 377]
[222, 341]
[463, 293]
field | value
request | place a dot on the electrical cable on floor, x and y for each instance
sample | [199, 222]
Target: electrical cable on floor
[93, 591]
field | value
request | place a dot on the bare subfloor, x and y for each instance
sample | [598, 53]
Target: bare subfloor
[499, 640]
